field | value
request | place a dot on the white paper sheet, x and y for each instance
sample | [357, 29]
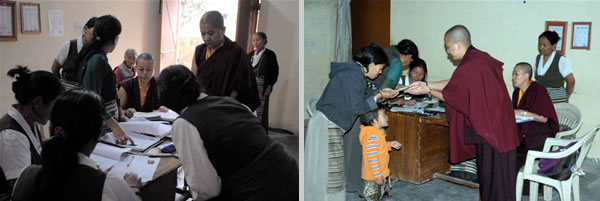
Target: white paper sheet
[143, 166]
[6, 28]
[56, 23]
[106, 156]
[580, 35]
[522, 119]
[155, 128]
[156, 115]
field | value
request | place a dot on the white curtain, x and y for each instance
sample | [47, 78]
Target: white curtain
[343, 39]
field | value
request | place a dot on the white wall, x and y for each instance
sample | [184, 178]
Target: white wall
[508, 31]
[319, 45]
[140, 21]
[279, 20]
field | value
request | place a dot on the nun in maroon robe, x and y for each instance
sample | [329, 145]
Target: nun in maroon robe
[533, 134]
[226, 70]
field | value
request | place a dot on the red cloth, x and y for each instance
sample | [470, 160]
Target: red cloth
[117, 71]
[476, 95]
[536, 100]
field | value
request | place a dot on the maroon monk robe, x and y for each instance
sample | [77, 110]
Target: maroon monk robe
[480, 112]
[533, 134]
[227, 69]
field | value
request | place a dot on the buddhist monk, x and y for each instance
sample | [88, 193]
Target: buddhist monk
[531, 99]
[222, 65]
[480, 115]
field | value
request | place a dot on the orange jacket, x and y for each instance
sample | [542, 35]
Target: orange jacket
[375, 153]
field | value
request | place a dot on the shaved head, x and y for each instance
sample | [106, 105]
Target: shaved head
[213, 18]
[458, 34]
[525, 68]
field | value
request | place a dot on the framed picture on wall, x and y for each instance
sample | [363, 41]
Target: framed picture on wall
[8, 20]
[581, 35]
[30, 18]
[561, 29]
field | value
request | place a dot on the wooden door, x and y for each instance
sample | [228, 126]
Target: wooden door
[370, 23]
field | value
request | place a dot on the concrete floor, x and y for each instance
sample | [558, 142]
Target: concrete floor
[440, 190]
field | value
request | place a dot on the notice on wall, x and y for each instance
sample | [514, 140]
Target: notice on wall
[56, 23]
[6, 28]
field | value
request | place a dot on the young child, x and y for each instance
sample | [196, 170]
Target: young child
[375, 152]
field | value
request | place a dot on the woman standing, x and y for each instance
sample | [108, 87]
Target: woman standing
[20, 137]
[97, 73]
[66, 171]
[266, 69]
[553, 69]
[344, 98]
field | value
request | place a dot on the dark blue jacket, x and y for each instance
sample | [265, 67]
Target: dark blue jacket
[345, 96]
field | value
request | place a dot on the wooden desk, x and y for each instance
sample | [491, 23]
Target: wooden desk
[424, 146]
[163, 183]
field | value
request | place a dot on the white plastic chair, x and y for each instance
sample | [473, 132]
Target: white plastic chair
[569, 116]
[565, 188]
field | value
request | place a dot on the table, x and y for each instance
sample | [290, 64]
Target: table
[162, 185]
[424, 146]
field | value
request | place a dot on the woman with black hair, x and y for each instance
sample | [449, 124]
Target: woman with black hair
[266, 69]
[416, 72]
[20, 137]
[224, 151]
[97, 75]
[67, 54]
[553, 69]
[399, 56]
[66, 171]
[345, 98]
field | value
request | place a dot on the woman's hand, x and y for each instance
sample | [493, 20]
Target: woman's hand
[163, 109]
[134, 182]
[388, 93]
[129, 112]
[520, 112]
[418, 88]
[120, 136]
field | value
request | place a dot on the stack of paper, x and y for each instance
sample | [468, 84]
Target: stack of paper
[155, 128]
[106, 155]
[156, 115]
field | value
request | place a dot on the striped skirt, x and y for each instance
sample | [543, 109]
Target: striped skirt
[261, 94]
[558, 95]
[112, 108]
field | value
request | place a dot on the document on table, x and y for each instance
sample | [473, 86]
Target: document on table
[106, 155]
[142, 142]
[155, 128]
[143, 166]
[156, 115]
[523, 119]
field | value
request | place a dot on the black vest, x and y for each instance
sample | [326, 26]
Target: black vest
[552, 77]
[251, 165]
[5, 189]
[7, 122]
[70, 71]
[85, 183]
[132, 88]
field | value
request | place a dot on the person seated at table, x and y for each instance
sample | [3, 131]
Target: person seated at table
[126, 70]
[225, 152]
[20, 136]
[416, 72]
[531, 99]
[67, 172]
[140, 93]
